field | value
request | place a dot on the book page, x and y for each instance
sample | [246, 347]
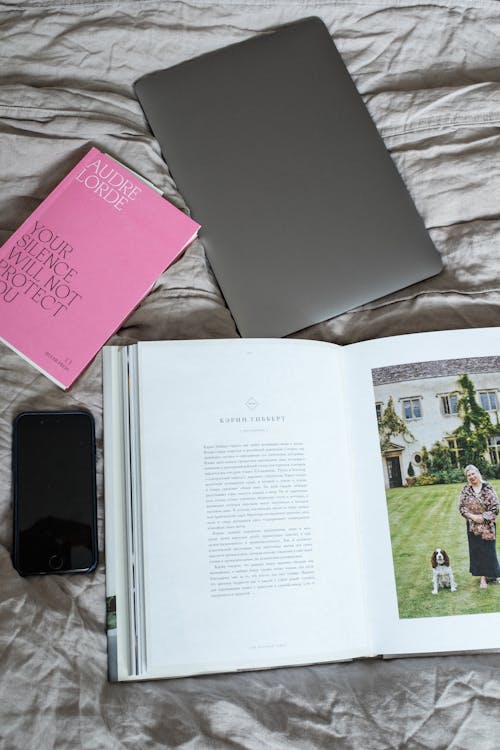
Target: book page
[250, 540]
[409, 480]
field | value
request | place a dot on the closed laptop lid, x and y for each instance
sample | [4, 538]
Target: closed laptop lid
[303, 212]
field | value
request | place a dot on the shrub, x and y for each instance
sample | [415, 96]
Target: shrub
[492, 471]
[450, 476]
[440, 458]
[426, 479]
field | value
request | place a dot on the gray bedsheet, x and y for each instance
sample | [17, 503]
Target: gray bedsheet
[429, 73]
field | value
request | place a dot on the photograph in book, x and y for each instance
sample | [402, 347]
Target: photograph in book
[439, 430]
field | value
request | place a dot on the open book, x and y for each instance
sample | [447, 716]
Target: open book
[254, 514]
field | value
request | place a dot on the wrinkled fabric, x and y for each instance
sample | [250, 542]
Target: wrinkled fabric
[429, 75]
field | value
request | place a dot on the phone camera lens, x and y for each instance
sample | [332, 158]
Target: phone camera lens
[56, 562]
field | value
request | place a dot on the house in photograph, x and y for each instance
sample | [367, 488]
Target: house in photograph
[425, 395]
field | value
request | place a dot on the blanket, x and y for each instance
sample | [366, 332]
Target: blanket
[429, 75]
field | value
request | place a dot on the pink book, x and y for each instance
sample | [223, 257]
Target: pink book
[82, 261]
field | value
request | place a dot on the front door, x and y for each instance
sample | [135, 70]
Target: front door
[394, 471]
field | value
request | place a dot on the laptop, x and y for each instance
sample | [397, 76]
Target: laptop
[304, 215]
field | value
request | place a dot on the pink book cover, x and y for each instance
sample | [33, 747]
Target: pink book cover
[82, 261]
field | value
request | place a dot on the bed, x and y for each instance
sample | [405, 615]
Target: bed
[429, 74]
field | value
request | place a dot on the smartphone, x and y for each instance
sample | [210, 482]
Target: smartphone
[55, 514]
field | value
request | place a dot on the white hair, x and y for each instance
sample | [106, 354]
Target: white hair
[471, 467]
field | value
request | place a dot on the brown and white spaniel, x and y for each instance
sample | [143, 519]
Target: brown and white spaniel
[442, 574]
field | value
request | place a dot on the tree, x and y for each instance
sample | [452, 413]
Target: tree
[390, 425]
[410, 470]
[426, 461]
[472, 435]
[440, 458]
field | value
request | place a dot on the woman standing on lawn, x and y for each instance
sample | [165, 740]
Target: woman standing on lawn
[479, 505]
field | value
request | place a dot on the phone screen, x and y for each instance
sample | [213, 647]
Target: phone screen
[55, 519]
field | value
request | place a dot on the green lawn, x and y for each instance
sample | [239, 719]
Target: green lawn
[421, 519]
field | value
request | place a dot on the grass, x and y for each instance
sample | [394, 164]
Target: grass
[421, 519]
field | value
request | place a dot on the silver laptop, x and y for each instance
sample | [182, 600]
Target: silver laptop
[303, 212]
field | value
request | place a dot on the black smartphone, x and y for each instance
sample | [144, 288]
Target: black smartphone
[55, 514]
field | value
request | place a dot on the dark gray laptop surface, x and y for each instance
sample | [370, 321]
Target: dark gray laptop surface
[303, 212]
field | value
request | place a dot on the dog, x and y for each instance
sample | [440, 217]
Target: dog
[442, 574]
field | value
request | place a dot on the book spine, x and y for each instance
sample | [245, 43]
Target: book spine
[115, 524]
[134, 513]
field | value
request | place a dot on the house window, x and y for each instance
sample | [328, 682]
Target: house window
[494, 449]
[378, 408]
[454, 451]
[488, 400]
[449, 403]
[412, 408]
